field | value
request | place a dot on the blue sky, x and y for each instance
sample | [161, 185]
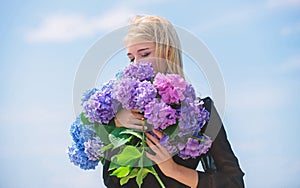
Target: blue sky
[256, 44]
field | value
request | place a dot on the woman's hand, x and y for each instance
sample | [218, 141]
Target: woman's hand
[130, 119]
[161, 157]
[166, 163]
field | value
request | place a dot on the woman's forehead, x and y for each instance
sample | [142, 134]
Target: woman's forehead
[140, 44]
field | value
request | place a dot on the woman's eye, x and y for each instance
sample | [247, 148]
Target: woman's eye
[146, 54]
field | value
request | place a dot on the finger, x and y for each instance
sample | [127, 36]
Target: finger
[137, 127]
[137, 115]
[152, 146]
[151, 157]
[152, 138]
[135, 121]
[158, 133]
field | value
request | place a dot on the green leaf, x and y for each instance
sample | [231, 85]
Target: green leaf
[117, 142]
[129, 155]
[142, 173]
[111, 123]
[84, 120]
[132, 174]
[102, 132]
[107, 147]
[121, 171]
[172, 130]
[114, 163]
[132, 132]
[117, 139]
[146, 162]
[112, 166]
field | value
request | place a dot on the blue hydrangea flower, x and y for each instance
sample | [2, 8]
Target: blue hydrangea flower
[81, 134]
[87, 95]
[119, 75]
[79, 158]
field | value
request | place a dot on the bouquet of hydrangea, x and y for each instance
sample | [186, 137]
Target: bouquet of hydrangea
[168, 103]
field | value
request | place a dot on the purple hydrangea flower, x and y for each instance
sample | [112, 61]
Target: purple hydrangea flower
[144, 93]
[194, 148]
[101, 107]
[165, 141]
[92, 149]
[170, 87]
[141, 71]
[188, 122]
[124, 91]
[202, 116]
[191, 149]
[189, 92]
[205, 144]
[159, 114]
[133, 94]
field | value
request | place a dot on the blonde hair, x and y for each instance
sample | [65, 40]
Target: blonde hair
[160, 31]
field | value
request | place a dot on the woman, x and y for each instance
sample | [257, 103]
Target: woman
[154, 39]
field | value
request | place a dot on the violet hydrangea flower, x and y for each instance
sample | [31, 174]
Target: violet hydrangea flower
[124, 91]
[141, 71]
[191, 149]
[187, 118]
[92, 149]
[133, 94]
[159, 114]
[202, 116]
[170, 87]
[194, 147]
[101, 107]
[205, 144]
[144, 93]
[165, 141]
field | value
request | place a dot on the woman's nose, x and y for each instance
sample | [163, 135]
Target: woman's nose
[135, 61]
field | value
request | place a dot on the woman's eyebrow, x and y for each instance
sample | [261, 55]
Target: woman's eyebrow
[143, 49]
[139, 50]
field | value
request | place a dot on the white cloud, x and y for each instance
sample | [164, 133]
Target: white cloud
[290, 29]
[283, 3]
[64, 27]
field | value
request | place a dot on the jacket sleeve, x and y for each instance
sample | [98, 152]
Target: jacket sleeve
[221, 167]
